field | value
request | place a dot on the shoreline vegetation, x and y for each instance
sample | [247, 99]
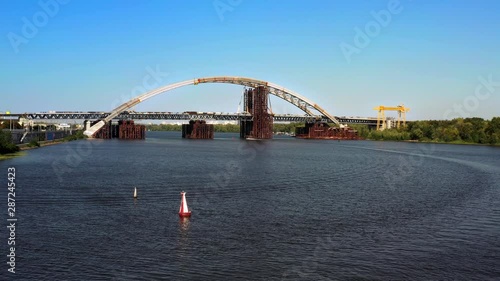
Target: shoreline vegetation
[36, 144]
[11, 155]
[9, 150]
[475, 131]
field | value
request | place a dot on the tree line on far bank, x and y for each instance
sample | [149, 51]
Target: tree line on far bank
[460, 130]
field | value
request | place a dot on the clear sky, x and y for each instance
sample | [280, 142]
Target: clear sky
[79, 55]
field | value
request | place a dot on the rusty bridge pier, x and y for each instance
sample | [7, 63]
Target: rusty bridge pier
[261, 125]
[125, 129]
[321, 130]
[198, 129]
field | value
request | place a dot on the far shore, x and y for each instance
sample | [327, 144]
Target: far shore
[436, 142]
[25, 146]
[457, 143]
[11, 155]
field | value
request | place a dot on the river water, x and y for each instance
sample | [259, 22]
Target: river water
[285, 209]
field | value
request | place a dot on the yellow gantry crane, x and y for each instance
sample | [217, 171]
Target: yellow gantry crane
[401, 109]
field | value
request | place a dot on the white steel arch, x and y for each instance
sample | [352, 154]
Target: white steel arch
[274, 89]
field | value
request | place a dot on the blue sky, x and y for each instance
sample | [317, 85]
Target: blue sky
[92, 55]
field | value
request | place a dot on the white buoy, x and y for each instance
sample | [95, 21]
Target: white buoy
[135, 192]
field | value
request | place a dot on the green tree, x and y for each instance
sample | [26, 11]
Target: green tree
[451, 134]
[494, 138]
[363, 130]
[6, 144]
[417, 134]
[466, 131]
[493, 126]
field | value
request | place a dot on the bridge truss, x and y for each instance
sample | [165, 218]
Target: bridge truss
[92, 115]
[274, 89]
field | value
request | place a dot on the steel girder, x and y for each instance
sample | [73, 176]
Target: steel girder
[186, 116]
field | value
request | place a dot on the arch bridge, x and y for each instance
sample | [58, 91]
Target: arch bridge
[288, 95]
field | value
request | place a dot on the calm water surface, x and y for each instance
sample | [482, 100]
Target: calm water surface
[286, 209]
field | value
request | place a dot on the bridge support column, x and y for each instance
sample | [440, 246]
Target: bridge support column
[197, 130]
[104, 132]
[128, 130]
[125, 129]
[261, 125]
[319, 130]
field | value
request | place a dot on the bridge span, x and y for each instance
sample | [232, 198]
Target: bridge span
[290, 96]
[217, 116]
[258, 120]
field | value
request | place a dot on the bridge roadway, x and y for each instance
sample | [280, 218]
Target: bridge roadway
[92, 115]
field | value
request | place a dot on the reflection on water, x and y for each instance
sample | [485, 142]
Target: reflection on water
[184, 225]
[184, 242]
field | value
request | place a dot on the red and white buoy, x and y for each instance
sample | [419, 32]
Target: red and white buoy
[183, 210]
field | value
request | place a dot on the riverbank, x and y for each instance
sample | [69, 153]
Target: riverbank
[453, 142]
[36, 144]
[11, 155]
[440, 142]
[467, 131]
[28, 146]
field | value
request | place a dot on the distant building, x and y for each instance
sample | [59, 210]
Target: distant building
[63, 126]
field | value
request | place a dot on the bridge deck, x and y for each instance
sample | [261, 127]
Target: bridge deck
[90, 115]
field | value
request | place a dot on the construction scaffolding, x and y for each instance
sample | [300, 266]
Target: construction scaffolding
[319, 130]
[104, 132]
[125, 129]
[198, 129]
[256, 103]
[128, 130]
